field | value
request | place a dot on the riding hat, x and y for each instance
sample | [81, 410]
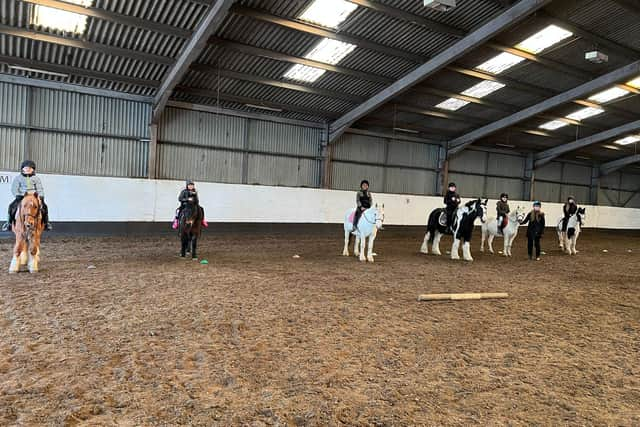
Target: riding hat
[504, 195]
[452, 184]
[28, 163]
[190, 182]
[364, 181]
[571, 198]
[537, 203]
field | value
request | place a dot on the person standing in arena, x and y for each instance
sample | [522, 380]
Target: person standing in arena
[535, 229]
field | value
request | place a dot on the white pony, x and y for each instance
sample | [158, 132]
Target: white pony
[567, 240]
[368, 225]
[509, 232]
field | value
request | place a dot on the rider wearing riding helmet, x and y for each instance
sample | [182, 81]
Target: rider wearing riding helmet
[502, 207]
[363, 201]
[189, 193]
[535, 229]
[452, 201]
[569, 209]
[26, 182]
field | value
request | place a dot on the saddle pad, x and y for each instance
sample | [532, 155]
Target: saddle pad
[505, 222]
[353, 215]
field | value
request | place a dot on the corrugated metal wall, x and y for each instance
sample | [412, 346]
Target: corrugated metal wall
[222, 148]
[390, 166]
[73, 133]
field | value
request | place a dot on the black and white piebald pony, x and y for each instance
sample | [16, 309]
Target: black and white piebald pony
[567, 241]
[461, 229]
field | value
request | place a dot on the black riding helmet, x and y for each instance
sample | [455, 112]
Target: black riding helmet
[189, 182]
[452, 184]
[364, 181]
[28, 163]
[504, 195]
[537, 203]
[571, 198]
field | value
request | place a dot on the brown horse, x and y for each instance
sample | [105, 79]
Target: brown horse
[190, 227]
[28, 229]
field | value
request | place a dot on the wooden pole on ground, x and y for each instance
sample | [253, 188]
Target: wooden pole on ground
[466, 296]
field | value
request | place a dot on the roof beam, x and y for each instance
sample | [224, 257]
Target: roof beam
[208, 93]
[48, 84]
[66, 69]
[410, 17]
[81, 44]
[598, 83]
[208, 25]
[275, 83]
[108, 15]
[323, 32]
[609, 167]
[278, 56]
[506, 19]
[546, 156]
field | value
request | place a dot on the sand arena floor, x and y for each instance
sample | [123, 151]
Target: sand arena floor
[260, 338]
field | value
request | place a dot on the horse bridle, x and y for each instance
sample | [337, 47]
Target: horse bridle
[364, 215]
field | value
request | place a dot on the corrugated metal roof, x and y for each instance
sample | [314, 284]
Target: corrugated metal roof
[605, 18]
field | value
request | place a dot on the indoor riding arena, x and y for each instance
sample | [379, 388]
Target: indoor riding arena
[319, 213]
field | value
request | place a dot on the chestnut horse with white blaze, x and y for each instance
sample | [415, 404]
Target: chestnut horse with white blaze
[28, 229]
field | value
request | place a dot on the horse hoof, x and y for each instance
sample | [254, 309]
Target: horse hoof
[370, 259]
[345, 253]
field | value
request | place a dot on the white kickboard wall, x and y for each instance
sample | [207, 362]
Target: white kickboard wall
[106, 199]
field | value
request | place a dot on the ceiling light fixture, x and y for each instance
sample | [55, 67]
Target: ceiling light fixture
[452, 104]
[553, 125]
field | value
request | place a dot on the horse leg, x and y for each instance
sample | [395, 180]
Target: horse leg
[466, 251]
[372, 237]
[435, 247]
[425, 243]
[345, 250]
[561, 240]
[490, 242]
[454, 248]
[14, 267]
[183, 246]
[356, 245]
[506, 242]
[33, 260]
[194, 245]
[484, 237]
[363, 240]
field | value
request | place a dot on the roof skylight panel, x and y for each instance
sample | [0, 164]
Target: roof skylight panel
[553, 125]
[544, 39]
[328, 51]
[585, 113]
[628, 140]
[483, 89]
[500, 63]
[608, 95]
[328, 13]
[61, 20]
[452, 104]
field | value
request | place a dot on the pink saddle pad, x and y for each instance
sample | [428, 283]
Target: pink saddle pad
[353, 214]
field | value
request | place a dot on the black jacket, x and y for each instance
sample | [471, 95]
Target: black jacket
[364, 199]
[569, 209]
[536, 224]
[452, 200]
[186, 194]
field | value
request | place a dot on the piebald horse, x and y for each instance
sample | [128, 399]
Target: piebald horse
[461, 230]
[368, 225]
[28, 229]
[567, 240]
[509, 232]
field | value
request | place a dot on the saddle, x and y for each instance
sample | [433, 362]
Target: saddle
[442, 220]
[505, 222]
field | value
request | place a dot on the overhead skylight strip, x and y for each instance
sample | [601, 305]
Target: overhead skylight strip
[452, 104]
[608, 95]
[585, 113]
[483, 89]
[330, 51]
[628, 140]
[500, 63]
[304, 73]
[544, 39]
[553, 125]
[61, 20]
[635, 83]
[328, 13]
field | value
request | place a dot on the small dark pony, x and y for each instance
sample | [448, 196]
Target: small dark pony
[190, 227]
